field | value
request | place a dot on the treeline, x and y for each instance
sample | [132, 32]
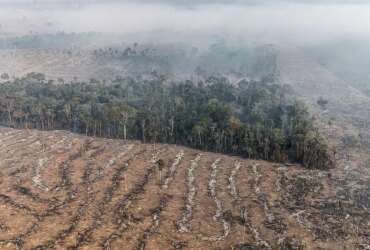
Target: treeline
[59, 40]
[185, 61]
[253, 119]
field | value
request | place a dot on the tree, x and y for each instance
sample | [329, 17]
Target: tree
[4, 76]
[322, 102]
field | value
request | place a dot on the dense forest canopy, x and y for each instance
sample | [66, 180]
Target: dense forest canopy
[252, 119]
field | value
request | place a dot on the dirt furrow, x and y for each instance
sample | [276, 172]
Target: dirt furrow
[24, 191]
[36, 175]
[173, 169]
[261, 196]
[85, 236]
[153, 228]
[9, 201]
[167, 235]
[232, 182]
[165, 199]
[122, 218]
[245, 218]
[183, 223]
[249, 215]
[219, 214]
[88, 196]
[20, 240]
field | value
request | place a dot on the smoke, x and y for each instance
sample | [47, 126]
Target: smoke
[271, 23]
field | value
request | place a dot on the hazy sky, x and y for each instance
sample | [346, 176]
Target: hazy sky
[188, 1]
[275, 21]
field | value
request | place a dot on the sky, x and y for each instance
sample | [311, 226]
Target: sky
[191, 1]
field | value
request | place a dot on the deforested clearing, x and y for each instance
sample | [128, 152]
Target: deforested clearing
[94, 193]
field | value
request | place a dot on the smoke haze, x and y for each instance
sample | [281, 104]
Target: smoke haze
[270, 22]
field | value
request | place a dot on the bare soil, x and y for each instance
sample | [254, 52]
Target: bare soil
[59, 190]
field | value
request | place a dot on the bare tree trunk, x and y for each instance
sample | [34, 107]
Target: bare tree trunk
[124, 132]
[94, 128]
[9, 116]
[143, 130]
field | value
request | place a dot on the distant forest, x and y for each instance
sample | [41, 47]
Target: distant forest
[49, 41]
[176, 60]
[253, 119]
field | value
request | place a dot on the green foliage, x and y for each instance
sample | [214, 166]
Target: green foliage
[254, 119]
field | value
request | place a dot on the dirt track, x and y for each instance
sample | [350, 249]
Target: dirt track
[65, 191]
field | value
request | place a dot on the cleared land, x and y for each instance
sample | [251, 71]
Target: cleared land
[345, 121]
[59, 64]
[65, 191]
